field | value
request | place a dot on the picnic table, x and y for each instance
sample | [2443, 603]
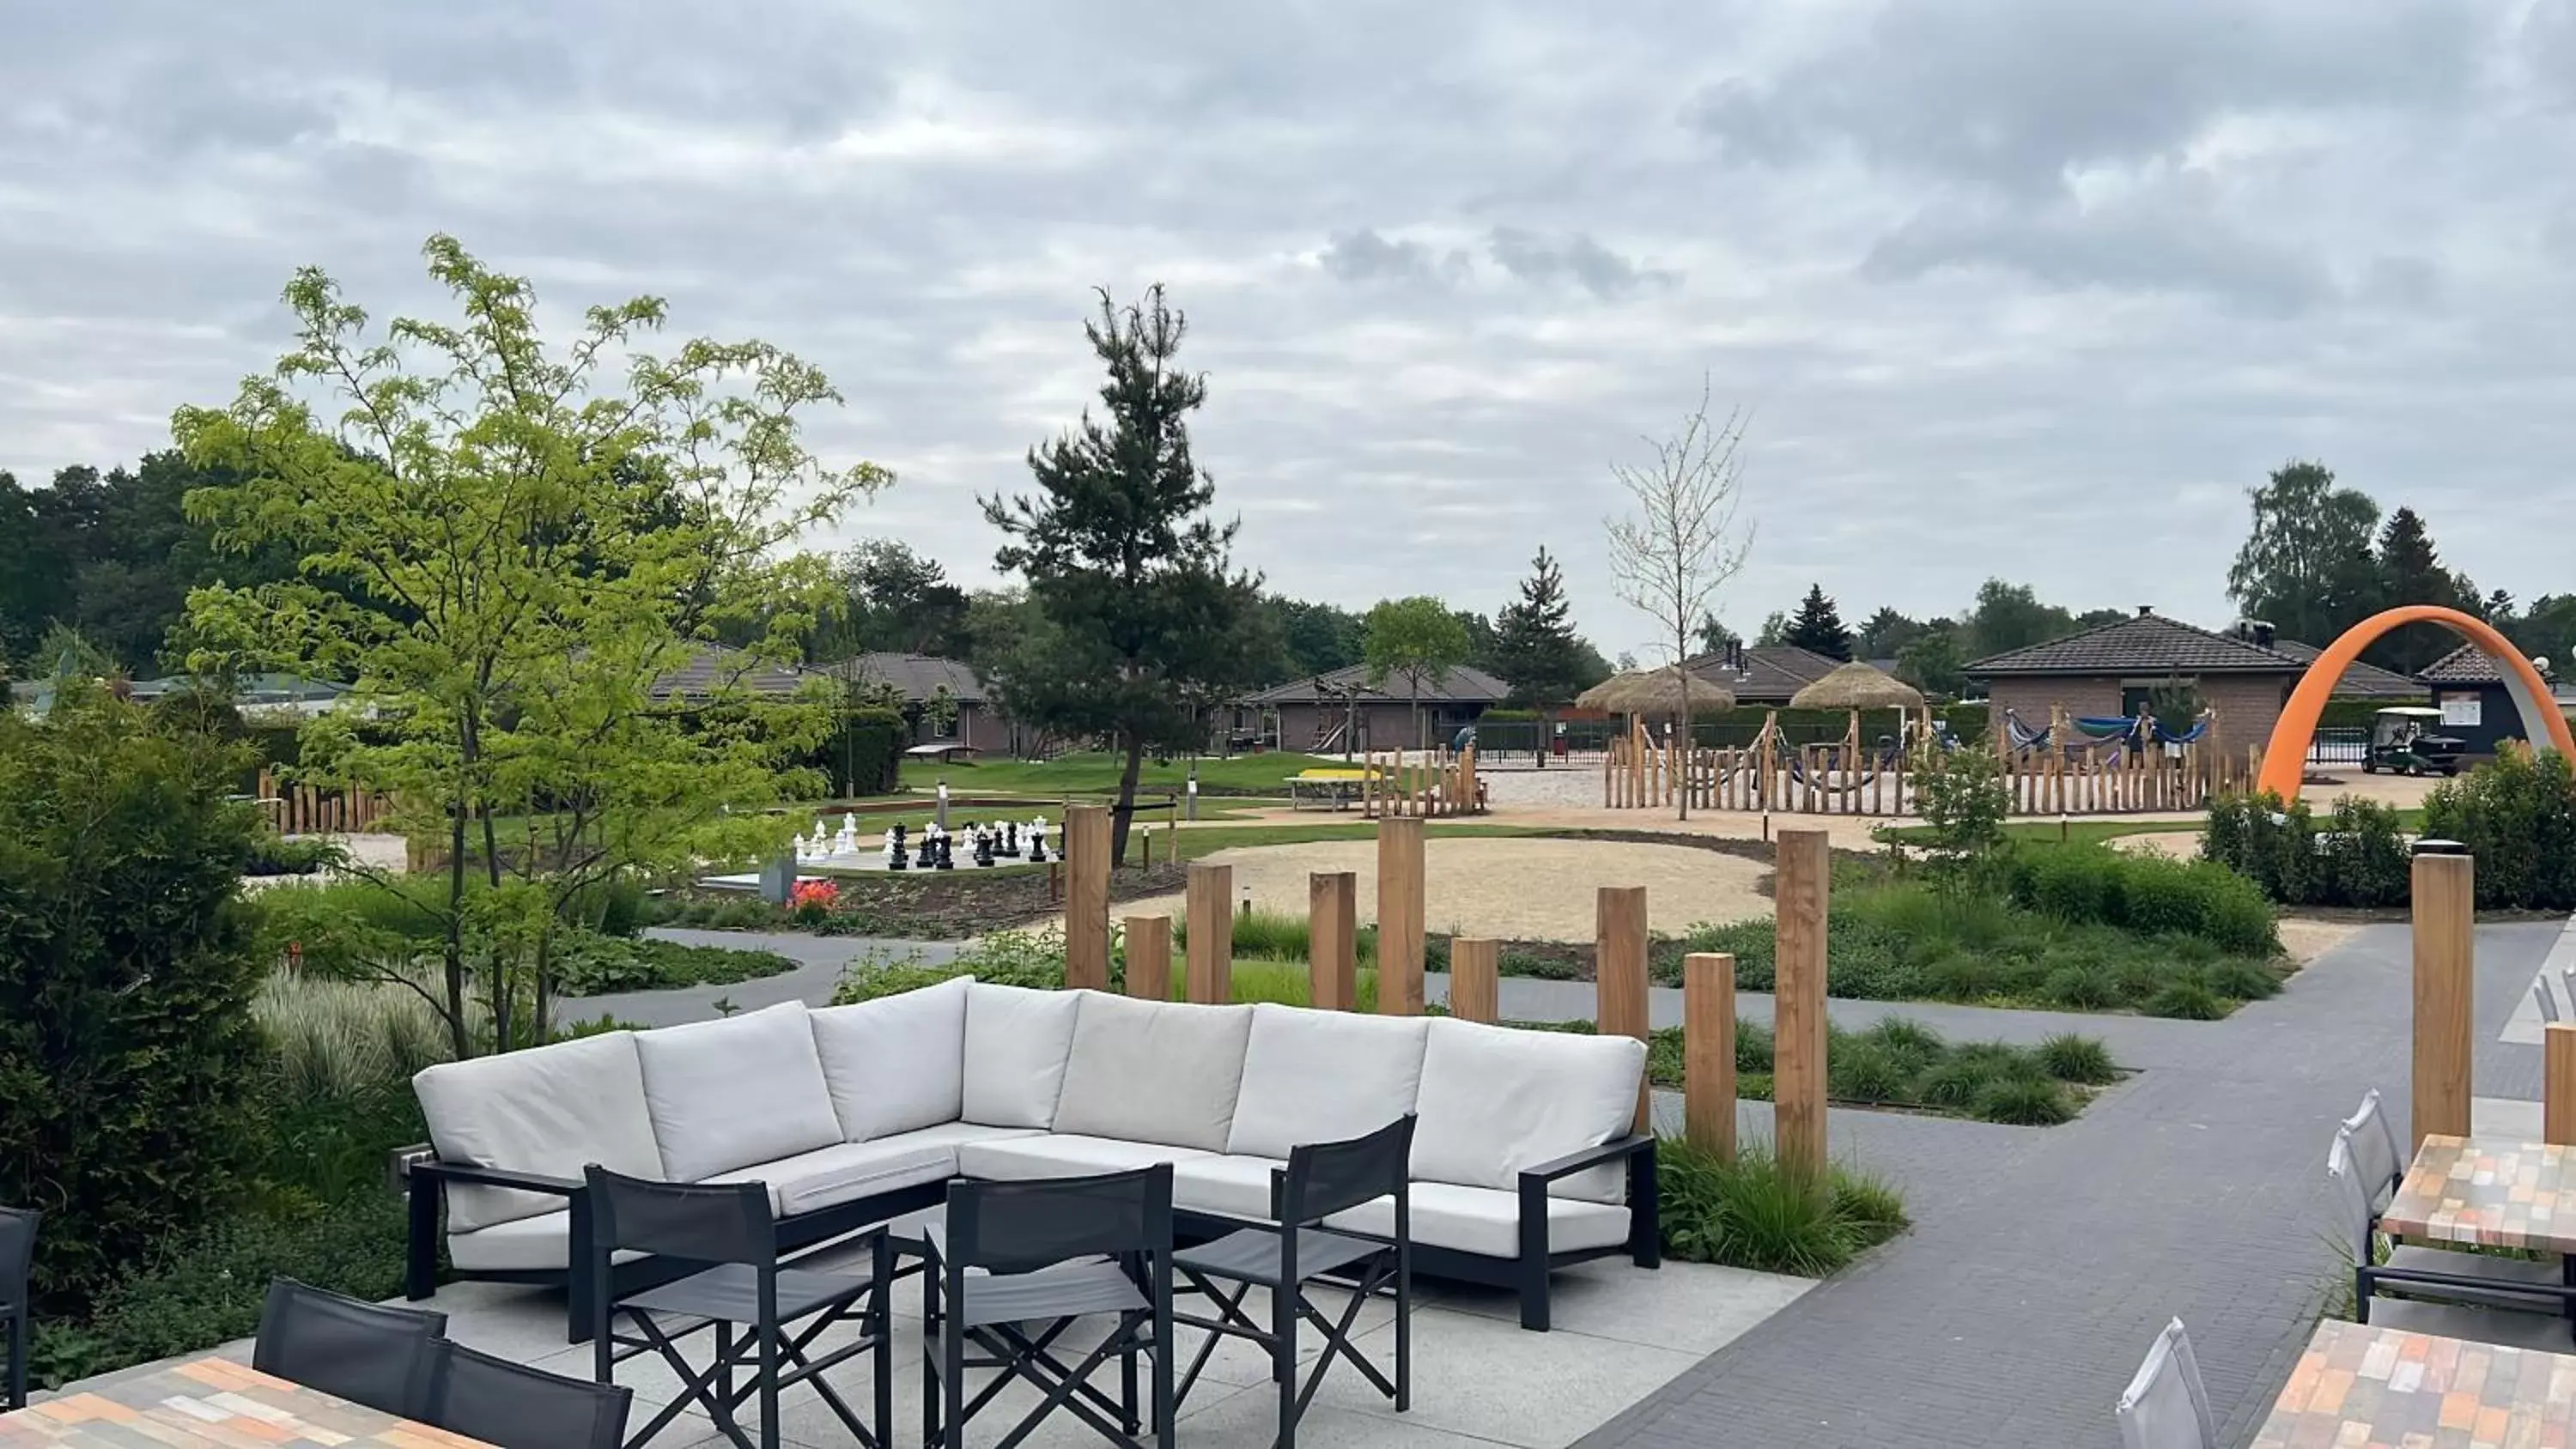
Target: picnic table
[2363, 1386]
[213, 1403]
[1334, 789]
[2487, 1193]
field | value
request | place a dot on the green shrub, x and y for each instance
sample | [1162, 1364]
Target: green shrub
[1909, 1043]
[1753, 1047]
[2024, 1101]
[590, 964]
[2517, 815]
[2365, 854]
[2187, 1000]
[273, 854]
[1953, 1084]
[1752, 1212]
[2085, 987]
[2144, 893]
[1538, 968]
[2083, 1060]
[2245, 980]
[1862, 1071]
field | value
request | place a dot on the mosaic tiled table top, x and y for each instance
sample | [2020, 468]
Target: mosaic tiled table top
[2359, 1387]
[213, 1403]
[2491, 1193]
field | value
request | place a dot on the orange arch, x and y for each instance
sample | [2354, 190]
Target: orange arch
[2285, 758]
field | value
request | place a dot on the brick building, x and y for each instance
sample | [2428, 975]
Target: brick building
[2114, 669]
[1341, 710]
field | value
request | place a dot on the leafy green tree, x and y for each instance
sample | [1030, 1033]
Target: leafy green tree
[2006, 617]
[1417, 640]
[893, 600]
[2307, 568]
[1818, 626]
[1774, 631]
[1933, 662]
[509, 551]
[1314, 638]
[1714, 636]
[1536, 650]
[1885, 634]
[2548, 631]
[1150, 627]
[1963, 799]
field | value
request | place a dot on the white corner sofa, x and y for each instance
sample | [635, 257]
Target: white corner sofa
[1523, 1154]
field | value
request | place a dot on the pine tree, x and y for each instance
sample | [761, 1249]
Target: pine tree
[2410, 572]
[1818, 626]
[1535, 647]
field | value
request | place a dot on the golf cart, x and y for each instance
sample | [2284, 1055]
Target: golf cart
[2402, 743]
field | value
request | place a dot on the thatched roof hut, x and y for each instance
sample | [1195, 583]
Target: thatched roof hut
[1858, 686]
[1653, 692]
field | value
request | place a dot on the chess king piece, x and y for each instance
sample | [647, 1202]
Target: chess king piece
[1011, 839]
[1037, 840]
[847, 841]
[947, 851]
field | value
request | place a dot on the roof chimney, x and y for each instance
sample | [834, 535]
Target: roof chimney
[2262, 635]
[2145, 610]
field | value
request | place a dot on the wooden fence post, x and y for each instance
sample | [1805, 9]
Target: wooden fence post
[1149, 958]
[1332, 936]
[1474, 974]
[1802, 882]
[1399, 916]
[1708, 1052]
[1619, 976]
[1211, 911]
[1086, 897]
[2445, 1040]
[2558, 1084]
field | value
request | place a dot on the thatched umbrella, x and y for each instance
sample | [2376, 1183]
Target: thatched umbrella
[1858, 686]
[1653, 692]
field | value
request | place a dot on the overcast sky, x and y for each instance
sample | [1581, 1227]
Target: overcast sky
[2023, 287]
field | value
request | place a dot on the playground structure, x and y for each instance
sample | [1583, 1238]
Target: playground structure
[1429, 784]
[2071, 767]
[318, 809]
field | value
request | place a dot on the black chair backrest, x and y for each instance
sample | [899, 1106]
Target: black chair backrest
[1323, 1178]
[700, 1222]
[363, 1352]
[511, 1406]
[17, 1252]
[1017, 1227]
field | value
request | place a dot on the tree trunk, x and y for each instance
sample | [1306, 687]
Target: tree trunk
[1126, 811]
[1681, 642]
[455, 945]
[539, 1026]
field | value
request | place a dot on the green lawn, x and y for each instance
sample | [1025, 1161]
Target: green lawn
[1096, 773]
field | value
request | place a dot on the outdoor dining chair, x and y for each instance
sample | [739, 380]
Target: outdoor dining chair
[511, 1406]
[17, 1263]
[743, 1295]
[2479, 1292]
[364, 1352]
[2376, 1147]
[2166, 1406]
[1014, 1266]
[1294, 1251]
[2548, 1003]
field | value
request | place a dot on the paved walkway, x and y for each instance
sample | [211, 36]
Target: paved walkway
[2043, 1262]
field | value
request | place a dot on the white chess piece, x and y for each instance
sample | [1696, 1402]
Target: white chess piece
[820, 845]
[887, 850]
[847, 841]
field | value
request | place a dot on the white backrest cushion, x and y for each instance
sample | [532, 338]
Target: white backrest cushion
[1016, 1041]
[1153, 1071]
[1323, 1076]
[896, 1063]
[1497, 1099]
[550, 1109]
[729, 1093]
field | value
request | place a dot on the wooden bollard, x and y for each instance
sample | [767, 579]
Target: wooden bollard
[1619, 976]
[1708, 1052]
[1332, 940]
[1475, 990]
[2558, 1084]
[1149, 958]
[1086, 905]
[1800, 890]
[1211, 950]
[1399, 916]
[2445, 889]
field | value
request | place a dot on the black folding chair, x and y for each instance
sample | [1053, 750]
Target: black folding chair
[511, 1406]
[1321, 1179]
[1017, 1264]
[17, 1263]
[363, 1352]
[729, 1228]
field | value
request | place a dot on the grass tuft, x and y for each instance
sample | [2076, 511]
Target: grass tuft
[2024, 1102]
[2083, 1060]
[1752, 1212]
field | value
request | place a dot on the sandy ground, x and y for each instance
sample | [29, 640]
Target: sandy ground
[384, 852]
[2177, 844]
[2307, 940]
[1537, 890]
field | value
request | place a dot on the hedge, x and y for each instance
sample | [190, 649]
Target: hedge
[2145, 893]
[2515, 813]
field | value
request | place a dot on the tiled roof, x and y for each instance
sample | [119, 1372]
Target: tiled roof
[1461, 685]
[2360, 680]
[2467, 664]
[916, 676]
[2140, 645]
[716, 667]
[1771, 673]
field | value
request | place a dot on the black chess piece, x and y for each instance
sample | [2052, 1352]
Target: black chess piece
[1011, 839]
[947, 851]
[1037, 848]
[983, 848]
[897, 861]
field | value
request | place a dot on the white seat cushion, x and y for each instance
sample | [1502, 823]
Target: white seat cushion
[521, 1245]
[1323, 1076]
[895, 1063]
[549, 1110]
[729, 1093]
[1497, 1099]
[1233, 1187]
[953, 1134]
[1016, 1040]
[1153, 1071]
[1060, 1154]
[844, 1172]
[1486, 1221]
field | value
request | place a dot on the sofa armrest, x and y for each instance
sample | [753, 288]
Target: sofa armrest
[1616, 1150]
[469, 1174]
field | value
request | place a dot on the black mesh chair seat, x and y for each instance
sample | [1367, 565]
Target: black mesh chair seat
[511, 1406]
[730, 1292]
[1252, 1255]
[1069, 1291]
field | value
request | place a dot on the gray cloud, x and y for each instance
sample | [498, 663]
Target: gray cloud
[1365, 256]
[1574, 258]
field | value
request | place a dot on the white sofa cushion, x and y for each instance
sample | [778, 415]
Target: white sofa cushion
[1063, 1154]
[1323, 1076]
[1486, 1221]
[1231, 1187]
[1016, 1040]
[726, 1094]
[1497, 1099]
[550, 1109]
[845, 1172]
[1153, 1071]
[895, 1063]
[953, 1134]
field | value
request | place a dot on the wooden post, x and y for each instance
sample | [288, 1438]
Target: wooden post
[1708, 1052]
[1474, 972]
[1802, 881]
[1211, 911]
[2558, 1084]
[1619, 975]
[1399, 916]
[1086, 892]
[1149, 958]
[2445, 895]
[1332, 936]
